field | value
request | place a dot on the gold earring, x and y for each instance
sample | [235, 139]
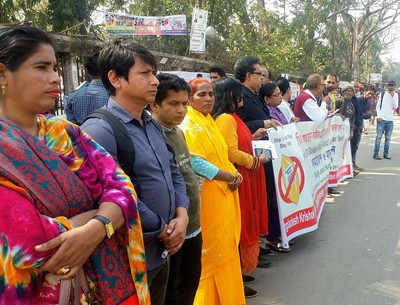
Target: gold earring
[3, 89]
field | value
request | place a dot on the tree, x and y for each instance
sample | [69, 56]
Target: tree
[300, 37]
[377, 16]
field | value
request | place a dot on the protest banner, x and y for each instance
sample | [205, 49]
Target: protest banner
[145, 25]
[198, 31]
[310, 156]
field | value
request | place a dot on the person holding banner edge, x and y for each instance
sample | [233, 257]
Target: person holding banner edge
[252, 191]
[256, 115]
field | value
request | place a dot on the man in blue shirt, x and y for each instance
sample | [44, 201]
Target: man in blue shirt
[128, 73]
[86, 99]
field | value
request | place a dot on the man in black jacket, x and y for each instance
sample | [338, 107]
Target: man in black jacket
[254, 112]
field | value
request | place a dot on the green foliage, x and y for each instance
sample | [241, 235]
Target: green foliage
[297, 36]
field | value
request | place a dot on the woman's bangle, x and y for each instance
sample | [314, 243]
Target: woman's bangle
[234, 180]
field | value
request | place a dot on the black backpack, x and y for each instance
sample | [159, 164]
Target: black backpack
[125, 148]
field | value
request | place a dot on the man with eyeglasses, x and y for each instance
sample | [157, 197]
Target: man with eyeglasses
[256, 115]
[306, 107]
[265, 75]
[254, 112]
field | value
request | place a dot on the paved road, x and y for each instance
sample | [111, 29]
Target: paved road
[353, 258]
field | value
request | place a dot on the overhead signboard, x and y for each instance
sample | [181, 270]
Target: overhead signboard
[145, 25]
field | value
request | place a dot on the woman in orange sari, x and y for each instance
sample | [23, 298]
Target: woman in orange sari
[252, 191]
[221, 278]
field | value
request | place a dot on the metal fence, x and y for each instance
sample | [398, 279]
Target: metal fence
[82, 76]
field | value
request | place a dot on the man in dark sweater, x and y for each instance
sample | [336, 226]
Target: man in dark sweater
[169, 109]
[361, 108]
[346, 107]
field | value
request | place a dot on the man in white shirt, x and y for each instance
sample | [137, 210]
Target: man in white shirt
[306, 107]
[387, 101]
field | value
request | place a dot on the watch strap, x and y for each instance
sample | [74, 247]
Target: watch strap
[103, 219]
[107, 224]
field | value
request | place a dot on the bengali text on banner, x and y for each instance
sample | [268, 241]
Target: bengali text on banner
[310, 157]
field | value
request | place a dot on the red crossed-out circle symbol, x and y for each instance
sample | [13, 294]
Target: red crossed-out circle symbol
[296, 175]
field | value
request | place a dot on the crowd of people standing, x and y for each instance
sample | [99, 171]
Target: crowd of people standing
[171, 214]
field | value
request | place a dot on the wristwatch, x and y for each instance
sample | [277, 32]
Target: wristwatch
[107, 224]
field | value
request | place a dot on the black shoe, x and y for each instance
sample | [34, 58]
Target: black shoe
[249, 292]
[376, 157]
[262, 264]
[387, 157]
[264, 251]
[247, 279]
[360, 169]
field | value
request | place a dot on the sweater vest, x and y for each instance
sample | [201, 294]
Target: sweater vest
[298, 106]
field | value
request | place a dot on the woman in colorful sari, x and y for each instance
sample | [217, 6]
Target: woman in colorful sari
[221, 278]
[253, 190]
[61, 193]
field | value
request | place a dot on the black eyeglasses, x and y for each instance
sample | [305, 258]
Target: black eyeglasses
[258, 73]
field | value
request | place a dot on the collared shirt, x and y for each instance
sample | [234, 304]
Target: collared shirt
[157, 180]
[286, 110]
[85, 100]
[313, 111]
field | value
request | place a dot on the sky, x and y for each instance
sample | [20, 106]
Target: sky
[394, 50]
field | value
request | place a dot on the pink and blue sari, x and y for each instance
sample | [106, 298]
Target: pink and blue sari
[43, 181]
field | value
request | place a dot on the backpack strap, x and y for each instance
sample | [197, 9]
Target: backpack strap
[382, 94]
[125, 148]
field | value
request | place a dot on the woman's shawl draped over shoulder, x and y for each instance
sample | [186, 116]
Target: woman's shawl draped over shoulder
[205, 139]
[220, 211]
[38, 184]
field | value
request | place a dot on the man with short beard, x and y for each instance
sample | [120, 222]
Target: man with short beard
[331, 86]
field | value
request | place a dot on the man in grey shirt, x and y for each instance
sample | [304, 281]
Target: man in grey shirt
[128, 73]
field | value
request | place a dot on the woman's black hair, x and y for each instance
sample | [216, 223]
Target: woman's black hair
[283, 84]
[267, 90]
[228, 93]
[18, 43]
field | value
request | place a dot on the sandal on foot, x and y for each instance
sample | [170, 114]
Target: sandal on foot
[278, 247]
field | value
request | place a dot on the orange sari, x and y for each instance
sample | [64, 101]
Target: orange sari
[252, 190]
